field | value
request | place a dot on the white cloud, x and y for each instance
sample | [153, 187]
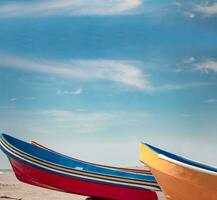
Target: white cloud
[68, 7]
[70, 92]
[124, 72]
[189, 60]
[82, 110]
[186, 115]
[23, 98]
[178, 4]
[181, 86]
[207, 9]
[64, 115]
[189, 14]
[13, 99]
[206, 66]
[211, 101]
[178, 70]
[29, 98]
[89, 122]
[185, 62]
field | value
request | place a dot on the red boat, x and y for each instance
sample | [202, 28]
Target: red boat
[44, 168]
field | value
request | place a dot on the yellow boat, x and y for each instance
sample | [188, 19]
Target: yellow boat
[180, 178]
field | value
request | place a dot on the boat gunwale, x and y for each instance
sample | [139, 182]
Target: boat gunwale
[173, 158]
[131, 170]
[163, 157]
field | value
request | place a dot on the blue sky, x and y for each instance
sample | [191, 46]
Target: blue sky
[91, 79]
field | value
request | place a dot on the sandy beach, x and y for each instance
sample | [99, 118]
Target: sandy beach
[11, 188]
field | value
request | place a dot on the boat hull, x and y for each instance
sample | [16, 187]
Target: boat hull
[33, 176]
[40, 167]
[177, 181]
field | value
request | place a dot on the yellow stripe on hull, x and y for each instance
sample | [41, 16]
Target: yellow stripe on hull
[179, 182]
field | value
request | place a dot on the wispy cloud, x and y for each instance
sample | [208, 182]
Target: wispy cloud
[184, 65]
[70, 92]
[178, 70]
[13, 99]
[177, 4]
[181, 86]
[206, 8]
[65, 115]
[29, 98]
[124, 72]
[192, 10]
[185, 9]
[211, 101]
[82, 110]
[89, 122]
[189, 14]
[186, 115]
[206, 65]
[189, 60]
[68, 7]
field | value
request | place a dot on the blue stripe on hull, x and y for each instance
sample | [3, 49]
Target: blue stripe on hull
[56, 159]
[71, 174]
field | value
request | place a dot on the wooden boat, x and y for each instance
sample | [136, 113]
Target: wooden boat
[140, 169]
[40, 167]
[180, 178]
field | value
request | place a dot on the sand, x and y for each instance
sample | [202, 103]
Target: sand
[12, 189]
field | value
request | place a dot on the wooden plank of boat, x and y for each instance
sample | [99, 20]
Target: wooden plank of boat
[37, 166]
[180, 178]
[140, 169]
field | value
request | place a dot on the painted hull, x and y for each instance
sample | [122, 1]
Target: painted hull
[140, 170]
[37, 166]
[41, 178]
[179, 178]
